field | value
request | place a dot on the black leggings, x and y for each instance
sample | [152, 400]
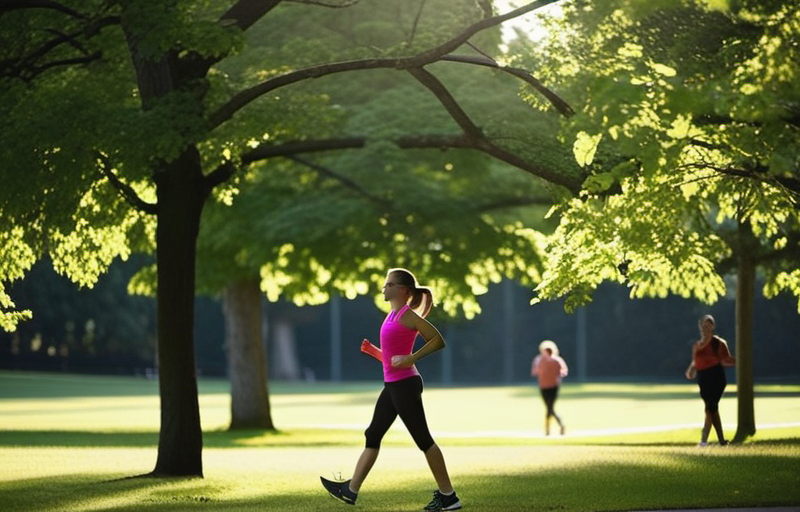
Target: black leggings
[549, 396]
[403, 398]
[712, 384]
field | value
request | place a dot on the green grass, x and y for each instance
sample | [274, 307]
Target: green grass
[71, 442]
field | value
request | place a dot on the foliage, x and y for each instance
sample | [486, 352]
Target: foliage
[695, 106]
[59, 203]
[335, 222]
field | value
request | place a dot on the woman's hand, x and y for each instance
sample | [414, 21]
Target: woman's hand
[402, 361]
[370, 349]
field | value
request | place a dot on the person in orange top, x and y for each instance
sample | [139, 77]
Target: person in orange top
[710, 354]
[548, 367]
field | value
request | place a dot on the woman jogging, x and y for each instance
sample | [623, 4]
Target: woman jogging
[402, 391]
[709, 355]
[549, 367]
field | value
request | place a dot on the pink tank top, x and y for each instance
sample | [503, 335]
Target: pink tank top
[396, 340]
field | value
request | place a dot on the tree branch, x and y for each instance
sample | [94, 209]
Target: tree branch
[451, 45]
[450, 104]
[245, 13]
[219, 175]
[287, 149]
[12, 5]
[498, 204]
[442, 142]
[26, 67]
[416, 22]
[321, 3]
[266, 151]
[66, 62]
[790, 184]
[480, 142]
[127, 192]
[347, 182]
[246, 96]
[559, 103]
[706, 145]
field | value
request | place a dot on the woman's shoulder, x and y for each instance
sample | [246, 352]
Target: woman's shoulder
[721, 340]
[409, 317]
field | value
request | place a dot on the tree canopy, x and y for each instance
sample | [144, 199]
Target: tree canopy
[689, 128]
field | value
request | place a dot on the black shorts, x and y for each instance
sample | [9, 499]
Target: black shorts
[400, 398]
[712, 384]
[549, 396]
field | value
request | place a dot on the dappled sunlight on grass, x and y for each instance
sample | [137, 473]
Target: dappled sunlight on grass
[627, 448]
[515, 478]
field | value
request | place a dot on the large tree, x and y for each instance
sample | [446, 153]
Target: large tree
[690, 129]
[456, 218]
[134, 94]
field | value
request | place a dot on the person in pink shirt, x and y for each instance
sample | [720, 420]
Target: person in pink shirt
[548, 367]
[402, 391]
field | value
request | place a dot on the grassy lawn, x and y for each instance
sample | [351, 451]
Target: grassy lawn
[71, 442]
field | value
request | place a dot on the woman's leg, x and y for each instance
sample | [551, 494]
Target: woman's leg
[715, 388]
[439, 469]
[382, 418]
[407, 399]
[707, 380]
[553, 410]
[363, 466]
[717, 422]
[715, 419]
[706, 427]
[549, 397]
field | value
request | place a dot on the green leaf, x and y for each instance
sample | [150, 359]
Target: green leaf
[584, 147]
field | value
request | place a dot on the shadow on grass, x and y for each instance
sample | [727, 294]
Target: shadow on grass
[646, 481]
[321, 438]
[20, 385]
[783, 441]
[214, 439]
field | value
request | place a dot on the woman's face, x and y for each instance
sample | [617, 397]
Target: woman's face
[706, 326]
[392, 288]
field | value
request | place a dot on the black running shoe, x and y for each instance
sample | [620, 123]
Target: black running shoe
[443, 502]
[341, 491]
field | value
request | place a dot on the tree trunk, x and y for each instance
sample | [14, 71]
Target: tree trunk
[246, 356]
[285, 363]
[180, 201]
[745, 291]
[181, 192]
